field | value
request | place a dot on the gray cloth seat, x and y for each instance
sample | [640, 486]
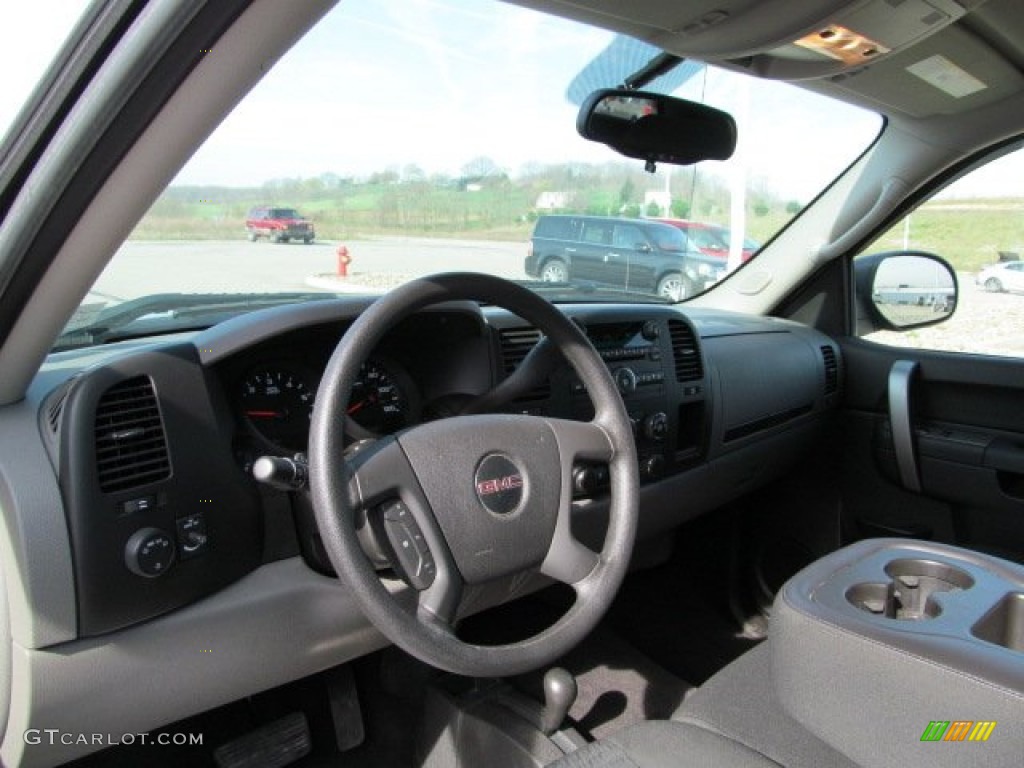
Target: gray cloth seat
[734, 719]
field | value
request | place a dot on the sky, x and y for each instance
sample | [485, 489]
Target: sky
[435, 83]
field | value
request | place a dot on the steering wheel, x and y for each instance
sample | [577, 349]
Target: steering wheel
[469, 499]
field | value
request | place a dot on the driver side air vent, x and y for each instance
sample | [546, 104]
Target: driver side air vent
[131, 449]
[516, 344]
[828, 355]
[689, 366]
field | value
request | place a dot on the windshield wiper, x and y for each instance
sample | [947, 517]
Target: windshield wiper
[114, 322]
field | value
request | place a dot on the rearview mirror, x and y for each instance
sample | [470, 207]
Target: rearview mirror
[656, 128]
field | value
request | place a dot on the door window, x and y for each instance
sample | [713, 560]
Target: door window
[977, 225]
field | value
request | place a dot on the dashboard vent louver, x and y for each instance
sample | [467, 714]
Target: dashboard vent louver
[831, 369]
[689, 366]
[516, 344]
[131, 449]
[55, 410]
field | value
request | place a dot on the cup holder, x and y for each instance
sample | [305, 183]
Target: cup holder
[1004, 624]
[909, 595]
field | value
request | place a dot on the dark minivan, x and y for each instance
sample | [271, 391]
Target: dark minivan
[638, 255]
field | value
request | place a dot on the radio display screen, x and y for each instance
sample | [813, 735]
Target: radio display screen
[617, 336]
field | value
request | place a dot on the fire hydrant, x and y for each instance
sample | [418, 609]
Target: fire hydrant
[343, 261]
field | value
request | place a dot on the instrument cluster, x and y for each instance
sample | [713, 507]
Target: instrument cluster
[276, 401]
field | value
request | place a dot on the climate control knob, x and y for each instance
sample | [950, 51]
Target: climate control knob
[656, 426]
[149, 553]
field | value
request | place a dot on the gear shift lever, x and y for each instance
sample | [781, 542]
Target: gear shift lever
[559, 695]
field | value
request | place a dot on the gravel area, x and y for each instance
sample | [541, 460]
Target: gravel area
[984, 323]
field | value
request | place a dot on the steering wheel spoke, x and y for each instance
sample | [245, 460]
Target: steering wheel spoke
[569, 560]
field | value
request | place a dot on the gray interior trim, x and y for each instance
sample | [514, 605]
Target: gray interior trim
[35, 551]
[280, 623]
[897, 674]
[901, 379]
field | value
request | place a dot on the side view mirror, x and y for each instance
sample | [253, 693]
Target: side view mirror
[656, 128]
[899, 290]
[643, 247]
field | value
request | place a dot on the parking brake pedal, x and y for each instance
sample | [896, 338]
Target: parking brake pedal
[276, 744]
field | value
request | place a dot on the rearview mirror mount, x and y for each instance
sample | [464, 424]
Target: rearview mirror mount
[656, 128]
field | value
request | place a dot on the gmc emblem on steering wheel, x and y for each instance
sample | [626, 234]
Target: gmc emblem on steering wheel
[499, 484]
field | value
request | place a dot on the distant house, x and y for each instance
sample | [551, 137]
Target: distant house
[552, 201]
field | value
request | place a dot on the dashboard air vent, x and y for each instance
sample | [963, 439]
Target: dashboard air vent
[131, 449]
[831, 369]
[687, 354]
[516, 344]
[55, 410]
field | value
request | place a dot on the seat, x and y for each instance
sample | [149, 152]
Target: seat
[734, 719]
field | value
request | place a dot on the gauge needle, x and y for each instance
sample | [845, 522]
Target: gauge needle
[355, 407]
[263, 414]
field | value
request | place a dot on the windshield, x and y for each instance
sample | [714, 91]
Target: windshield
[421, 137]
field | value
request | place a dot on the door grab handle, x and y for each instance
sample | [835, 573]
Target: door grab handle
[901, 377]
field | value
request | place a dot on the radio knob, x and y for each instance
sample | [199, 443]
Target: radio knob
[650, 330]
[656, 426]
[149, 553]
[625, 380]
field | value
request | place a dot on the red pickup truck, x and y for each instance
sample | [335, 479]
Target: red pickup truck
[279, 225]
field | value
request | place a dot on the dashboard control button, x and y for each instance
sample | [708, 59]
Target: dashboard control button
[149, 553]
[650, 330]
[653, 466]
[656, 426]
[625, 380]
[588, 480]
[140, 504]
[192, 538]
[413, 559]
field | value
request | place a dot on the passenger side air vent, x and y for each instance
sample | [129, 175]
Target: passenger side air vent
[516, 344]
[689, 366]
[131, 449]
[828, 355]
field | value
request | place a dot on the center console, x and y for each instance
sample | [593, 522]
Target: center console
[890, 645]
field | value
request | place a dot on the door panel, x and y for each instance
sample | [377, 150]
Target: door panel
[967, 437]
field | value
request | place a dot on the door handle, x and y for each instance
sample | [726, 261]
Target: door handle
[901, 377]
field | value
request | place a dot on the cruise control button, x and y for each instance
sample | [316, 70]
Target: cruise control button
[413, 559]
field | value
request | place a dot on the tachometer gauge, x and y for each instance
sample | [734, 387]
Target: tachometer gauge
[278, 403]
[381, 399]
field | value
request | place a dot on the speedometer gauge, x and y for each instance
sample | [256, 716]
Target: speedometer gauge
[278, 403]
[381, 399]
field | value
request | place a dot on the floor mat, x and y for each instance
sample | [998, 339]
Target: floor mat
[678, 613]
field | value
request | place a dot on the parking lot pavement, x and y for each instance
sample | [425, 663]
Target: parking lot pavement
[146, 267]
[988, 323]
